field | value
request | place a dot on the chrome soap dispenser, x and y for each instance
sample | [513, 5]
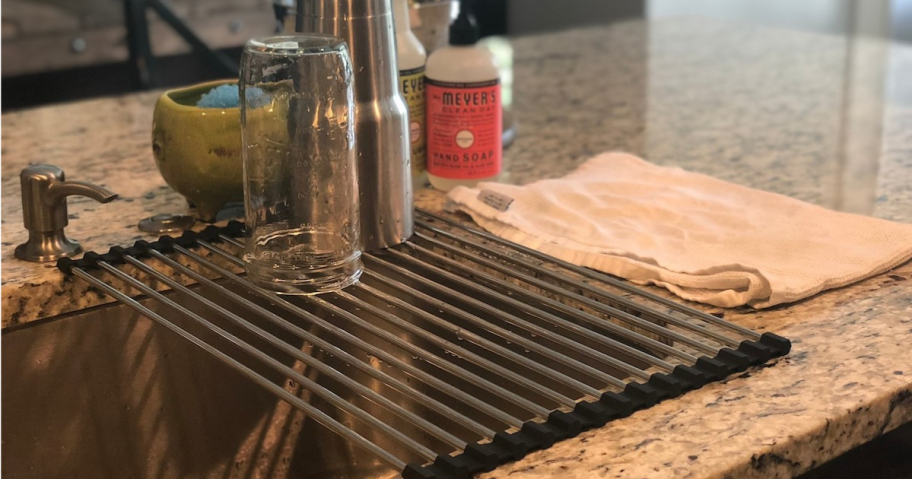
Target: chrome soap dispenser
[381, 115]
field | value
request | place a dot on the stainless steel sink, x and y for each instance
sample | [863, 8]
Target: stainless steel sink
[108, 393]
[449, 343]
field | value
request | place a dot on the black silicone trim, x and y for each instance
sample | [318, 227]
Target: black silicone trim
[594, 414]
[622, 404]
[457, 466]
[140, 249]
[758, 353]
[543, 435]
[568, 424]
[779, 345]
[211, 234]
[713, 368]
[533, 435]
[417, 471]
[668, 386]
[611, 405]
[488, 455]
[641, 395]
[691, 377]
[737, 360]
[516, 444]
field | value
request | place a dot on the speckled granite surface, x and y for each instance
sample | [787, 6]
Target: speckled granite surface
[771, 109]
[107, 142]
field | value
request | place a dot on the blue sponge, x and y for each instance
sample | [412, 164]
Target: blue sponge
[227, 96]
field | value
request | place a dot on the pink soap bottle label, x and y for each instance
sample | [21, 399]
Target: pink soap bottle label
[465, 129]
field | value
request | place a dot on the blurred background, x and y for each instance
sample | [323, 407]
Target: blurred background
[64, 50]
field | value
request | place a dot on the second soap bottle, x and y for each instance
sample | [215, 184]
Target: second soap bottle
[412, 58]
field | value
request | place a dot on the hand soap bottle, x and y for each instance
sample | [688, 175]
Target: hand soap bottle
[464, 114]
[412, 59]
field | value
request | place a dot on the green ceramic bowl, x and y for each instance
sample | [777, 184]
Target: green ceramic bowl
[198, 150]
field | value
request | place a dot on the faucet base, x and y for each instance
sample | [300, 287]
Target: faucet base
[43, 247]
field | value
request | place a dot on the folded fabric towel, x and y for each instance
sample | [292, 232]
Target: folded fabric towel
[702, 238]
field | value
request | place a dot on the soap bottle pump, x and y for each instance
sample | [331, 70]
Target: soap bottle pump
[464, 113]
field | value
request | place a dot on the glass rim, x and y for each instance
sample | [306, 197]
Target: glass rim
[296, 44]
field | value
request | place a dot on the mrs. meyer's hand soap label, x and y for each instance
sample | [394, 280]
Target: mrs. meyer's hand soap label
[465, 139]
[411, 82]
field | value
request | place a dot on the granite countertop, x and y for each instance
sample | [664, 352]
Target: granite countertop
[812, 116]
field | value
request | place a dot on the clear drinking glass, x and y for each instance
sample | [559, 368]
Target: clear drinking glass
[300, 174]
